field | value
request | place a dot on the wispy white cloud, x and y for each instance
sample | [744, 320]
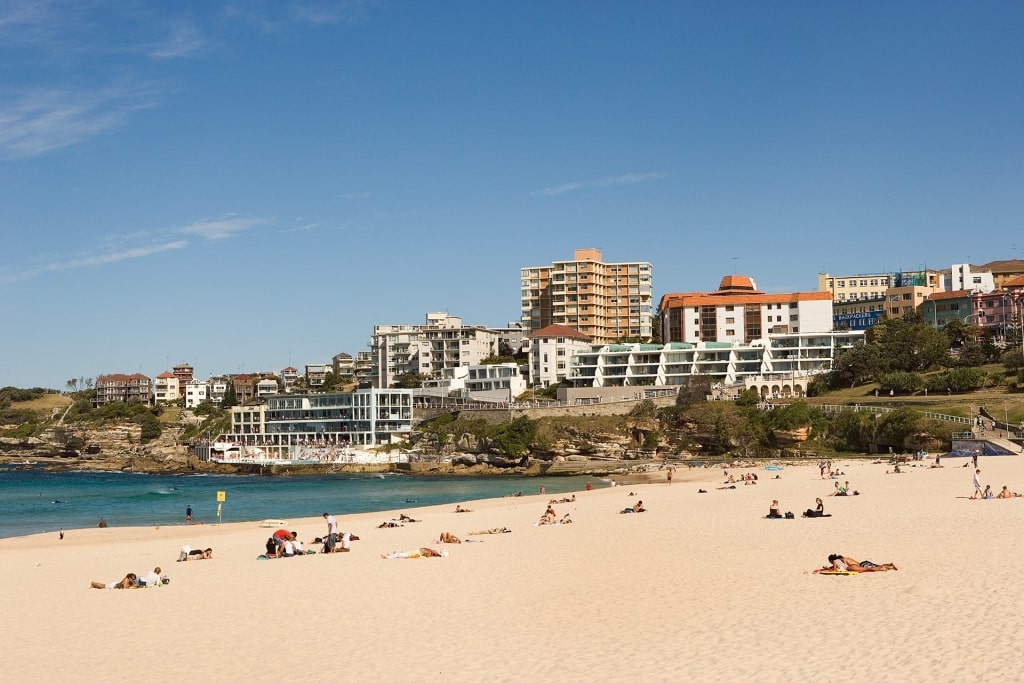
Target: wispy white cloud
[91, 260]
[40, 121]
[328, 11]
[278, 15]
[302, 228]
[185, 39]
[607, 181]
[221, 228]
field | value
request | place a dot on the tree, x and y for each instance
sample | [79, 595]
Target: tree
[854, 366]
[907, 346]
[656, 329]
[230, 397]
[409, 380]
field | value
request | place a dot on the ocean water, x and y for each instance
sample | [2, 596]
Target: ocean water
[34, 501]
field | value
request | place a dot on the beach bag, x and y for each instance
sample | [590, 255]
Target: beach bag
[790, 515]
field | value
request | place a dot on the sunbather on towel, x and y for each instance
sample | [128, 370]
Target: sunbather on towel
[413, 554]
[841, 563]
[495, 530]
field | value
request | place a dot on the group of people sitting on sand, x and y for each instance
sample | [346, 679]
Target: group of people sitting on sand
[130, 580]
[551, 517]
[285, 543]
[817, 511]
[748, 479]
[1005, 493]
[844, 490]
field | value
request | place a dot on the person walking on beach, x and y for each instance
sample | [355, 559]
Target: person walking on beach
[977, 485]
[974, 459]
[188, 514]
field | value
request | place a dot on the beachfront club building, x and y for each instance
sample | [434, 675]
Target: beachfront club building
[305, 427]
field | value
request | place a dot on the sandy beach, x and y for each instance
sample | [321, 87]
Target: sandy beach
[699, 587]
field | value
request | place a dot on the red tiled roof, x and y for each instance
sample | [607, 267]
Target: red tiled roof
[559, 331]
[955, 294]
[1015, 282]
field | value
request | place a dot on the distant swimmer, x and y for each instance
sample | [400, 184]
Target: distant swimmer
[56, 501]
[410, 500]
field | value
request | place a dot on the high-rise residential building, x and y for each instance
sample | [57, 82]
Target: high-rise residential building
[607, 302]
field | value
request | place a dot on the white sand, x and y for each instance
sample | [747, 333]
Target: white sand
[700, 587]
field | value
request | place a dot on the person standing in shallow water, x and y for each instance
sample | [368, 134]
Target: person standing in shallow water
[188, 514]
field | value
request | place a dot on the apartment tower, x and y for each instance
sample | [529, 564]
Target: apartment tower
[607, 302]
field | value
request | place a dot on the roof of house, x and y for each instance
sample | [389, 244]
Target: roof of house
[559, 331]
[118, 377]
[955, 294]
[1014, 282]
[166, 375]
[1005, 266]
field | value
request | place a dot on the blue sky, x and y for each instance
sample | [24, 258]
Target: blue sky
[245, 185]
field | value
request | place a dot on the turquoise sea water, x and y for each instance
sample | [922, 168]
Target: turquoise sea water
[34, 501]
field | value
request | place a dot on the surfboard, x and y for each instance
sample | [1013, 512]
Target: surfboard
[268, 523]
[773, 468]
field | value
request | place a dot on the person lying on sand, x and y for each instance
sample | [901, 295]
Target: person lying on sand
[841, 563]
[449, 537]
[127, 582]
[495, 530]
[413, 554]
[406, 518]
[459, 508]
[390, 523]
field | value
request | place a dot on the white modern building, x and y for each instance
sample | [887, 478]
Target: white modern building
[267, 386]
[218, 387]
[197, 391]
[728, 363]
[443, 341]
[551, 351]
[311, 427]
[493, 383]
[961, 276]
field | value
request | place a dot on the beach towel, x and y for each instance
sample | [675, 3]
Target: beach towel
[833, 572]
